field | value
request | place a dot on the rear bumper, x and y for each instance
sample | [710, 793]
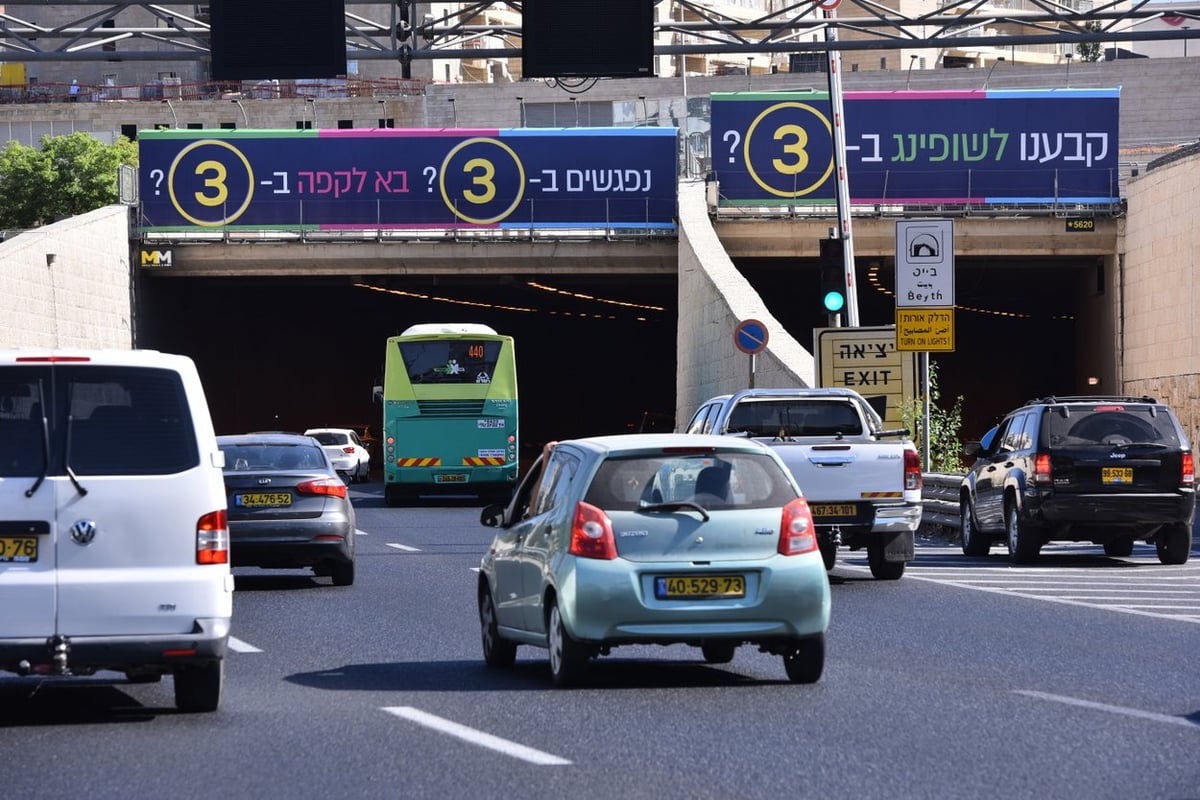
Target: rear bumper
[286, 544]
[206, 642]
[1116, 510]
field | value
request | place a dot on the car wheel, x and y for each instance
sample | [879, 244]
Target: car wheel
[828, 552]
[881, 568]
[568, 658]
[805, 660]
[1174, 543]
[1023, 544]
[364, 473]
[342, 573]
[1121, 547]
[199, 687]
[718, 652]
[497, 652]
[974, 541]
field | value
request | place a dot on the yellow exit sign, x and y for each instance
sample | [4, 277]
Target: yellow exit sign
[929, 330]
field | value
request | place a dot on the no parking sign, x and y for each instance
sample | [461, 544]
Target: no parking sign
[750, 336]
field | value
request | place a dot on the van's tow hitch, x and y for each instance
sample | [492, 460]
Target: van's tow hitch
[60, 649]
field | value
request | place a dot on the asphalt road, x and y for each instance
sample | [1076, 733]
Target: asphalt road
[968, 678]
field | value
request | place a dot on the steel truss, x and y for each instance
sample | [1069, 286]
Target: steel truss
[402, 32]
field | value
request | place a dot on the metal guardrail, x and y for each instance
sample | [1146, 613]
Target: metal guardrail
[939, 500]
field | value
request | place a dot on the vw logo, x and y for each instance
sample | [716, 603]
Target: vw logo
[83, 531]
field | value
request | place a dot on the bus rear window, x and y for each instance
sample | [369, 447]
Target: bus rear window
[450, 361]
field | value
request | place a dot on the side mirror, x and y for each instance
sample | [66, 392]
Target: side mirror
[972, 449]
[492, 516]
[377, 393]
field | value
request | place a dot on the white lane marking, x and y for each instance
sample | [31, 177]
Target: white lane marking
[474, 569]
[238, 646]
[358, 532]
[403, 547]
[1129, 712]
[476, 737]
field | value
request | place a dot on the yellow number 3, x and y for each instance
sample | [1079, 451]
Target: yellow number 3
[484, 179]
[216, 182]
[794, 148]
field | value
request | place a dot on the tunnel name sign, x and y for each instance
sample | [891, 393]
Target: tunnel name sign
[963, 147]
[359, 179]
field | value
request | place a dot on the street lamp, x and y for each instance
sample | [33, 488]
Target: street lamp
[175, 118]
[311, 103]
[521, 100]
[245, 119]
[453, 110]
[1186, 28]
[912, 60]
[1068, 57]
[749, 70]
[988, 77]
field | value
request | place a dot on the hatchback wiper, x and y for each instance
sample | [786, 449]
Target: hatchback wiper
[676, 506]
[1126, 445]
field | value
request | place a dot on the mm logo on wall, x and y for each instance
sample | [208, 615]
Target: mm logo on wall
[961, 147]
[156, 258]
[397, 178]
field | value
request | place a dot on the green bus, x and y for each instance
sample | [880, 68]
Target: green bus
[449, 397]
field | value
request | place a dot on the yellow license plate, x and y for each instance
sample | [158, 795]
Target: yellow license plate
[19, 549]
[833, 509]
[1109, 475]
[263, 499]
[456, 478]
[691, 587]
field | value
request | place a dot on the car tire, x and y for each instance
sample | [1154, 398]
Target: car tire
[342, 573]
[805, 660]
[568, 658]
[881, 568]
[1120, 547]
[1023, 544]
[497, 652]
[828, 552]
[718, 652]
[974, 541]
[198, 688]
[1174, 543]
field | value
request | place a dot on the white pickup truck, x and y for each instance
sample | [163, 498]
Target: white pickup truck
[862, 483]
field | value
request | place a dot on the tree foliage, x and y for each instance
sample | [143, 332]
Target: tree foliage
[65, 176]
[945, 426]
[1090, 52]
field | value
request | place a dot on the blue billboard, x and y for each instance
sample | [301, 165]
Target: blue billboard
[358, 179]
[963, 147]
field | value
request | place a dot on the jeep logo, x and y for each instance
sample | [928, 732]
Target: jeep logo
[156, 258]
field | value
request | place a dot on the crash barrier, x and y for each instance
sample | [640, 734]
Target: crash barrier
[939, 500]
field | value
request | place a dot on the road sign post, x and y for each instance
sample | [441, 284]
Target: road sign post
[750, 337]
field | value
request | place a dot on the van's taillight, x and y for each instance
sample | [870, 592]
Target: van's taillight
[1187, 473]
[1042, 474]
[212, 538]
[592, 533]
[912, 471]
[327, 486]
[797, 533]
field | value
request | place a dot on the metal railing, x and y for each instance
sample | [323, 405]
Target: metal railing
[939, 500]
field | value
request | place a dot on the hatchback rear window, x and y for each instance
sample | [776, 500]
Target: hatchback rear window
[721, 481]
[330, 438]
[1108, 424]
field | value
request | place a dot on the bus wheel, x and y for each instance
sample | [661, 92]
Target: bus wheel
[392, 495]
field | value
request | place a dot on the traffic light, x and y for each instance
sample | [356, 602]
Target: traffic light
[833, 276]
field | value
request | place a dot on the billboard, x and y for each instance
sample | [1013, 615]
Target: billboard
[961, 147]
[388, 178]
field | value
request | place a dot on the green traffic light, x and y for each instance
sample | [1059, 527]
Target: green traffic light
[834, 301]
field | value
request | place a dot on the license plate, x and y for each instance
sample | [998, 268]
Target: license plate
[19, 549]
[1116, 475]
[455, 478]
[833, 509]
[262, 499]
[693, 587]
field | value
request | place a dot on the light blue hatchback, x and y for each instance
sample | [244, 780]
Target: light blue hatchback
[655, 539]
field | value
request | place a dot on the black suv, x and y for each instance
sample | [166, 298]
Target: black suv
[1108, 470]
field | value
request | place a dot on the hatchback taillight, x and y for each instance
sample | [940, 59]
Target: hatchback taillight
[348, 449]
[797, 533]
[333, 487]
[1042, 474]
[1187, 475]
[212, 538]
[592, 533]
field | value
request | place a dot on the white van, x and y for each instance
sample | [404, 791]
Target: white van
[114, 543]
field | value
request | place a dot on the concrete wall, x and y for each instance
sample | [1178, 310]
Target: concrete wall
[713, 299]
[69, 284]
[1158, 344]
